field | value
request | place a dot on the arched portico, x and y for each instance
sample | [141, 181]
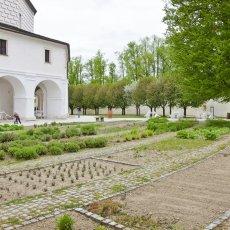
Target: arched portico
[12, 96]
[49, 100]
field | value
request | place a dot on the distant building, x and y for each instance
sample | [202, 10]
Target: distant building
[33, 68]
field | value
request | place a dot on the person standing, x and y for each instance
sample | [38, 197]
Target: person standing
[17, 118]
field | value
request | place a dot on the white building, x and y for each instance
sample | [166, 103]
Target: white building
[33, 68]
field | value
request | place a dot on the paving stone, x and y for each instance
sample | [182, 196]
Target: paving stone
[9, 228]
[106, 221]
[119, 226]
[112, 223]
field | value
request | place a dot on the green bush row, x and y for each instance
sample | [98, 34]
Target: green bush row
[7, 127]
[208, 133]
[46, 134]
[170, 126]
[33, 149]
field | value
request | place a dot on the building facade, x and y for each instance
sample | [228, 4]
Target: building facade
[33, 68]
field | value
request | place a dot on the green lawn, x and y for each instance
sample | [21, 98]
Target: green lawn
[176, 144]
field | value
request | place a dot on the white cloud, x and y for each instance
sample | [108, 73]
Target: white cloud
[89, 25]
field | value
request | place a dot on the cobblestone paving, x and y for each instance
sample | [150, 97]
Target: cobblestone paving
[82, 154]
[30, 210]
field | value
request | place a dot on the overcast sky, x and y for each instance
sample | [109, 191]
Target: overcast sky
[108, 25]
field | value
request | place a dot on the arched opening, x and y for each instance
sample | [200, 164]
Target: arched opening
[6, 97]
[48, 100]
[12, 96]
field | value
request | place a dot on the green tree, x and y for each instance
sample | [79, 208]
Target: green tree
[198, 35]
[75, 71]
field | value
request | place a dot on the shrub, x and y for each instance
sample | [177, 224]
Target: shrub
[105, 208]
[7, 127]
[45, 138]
[218, 123]
[158, 120]
[88, 130]
[210, 135]
[65, 222]
[54, 150]
[55, 144]
[25, 153]
[183, 134]
[7, 137]
[41, 149]
[71, 147]
[72, 131]
[2, 155]
[95, 142]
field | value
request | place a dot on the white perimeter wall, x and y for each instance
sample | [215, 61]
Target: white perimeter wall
[220, 110]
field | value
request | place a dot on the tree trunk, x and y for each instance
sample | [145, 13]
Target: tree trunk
[151, 109]
[163, 108]
[137, 110]
[71, 110]
[185, 111]
[170, 110]
[155, 109]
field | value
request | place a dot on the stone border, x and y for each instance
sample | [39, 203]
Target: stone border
[100, 219]
[82, 211]
[218, 221]
[116, 162]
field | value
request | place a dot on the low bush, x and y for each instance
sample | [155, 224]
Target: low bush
[217, 123]
[170, 126]
[95, 142]
[210, 135]
[7, 127]
[7, 137]
[45, 137]
[2, 155]
[26, 153]
[41, 149]
[105, 208]
[72, 131]
[71, 147]
[158, 120]
[54, 150]
[88, 130]
[65, 222]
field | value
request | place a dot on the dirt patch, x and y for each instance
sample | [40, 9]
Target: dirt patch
[193, 198]
[26, 183]
[81, 223]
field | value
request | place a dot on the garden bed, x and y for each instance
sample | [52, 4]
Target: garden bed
[35, 181]
[80, 223]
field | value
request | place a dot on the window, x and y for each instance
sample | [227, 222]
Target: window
[2, 47]
[47, 56]
[20, 20]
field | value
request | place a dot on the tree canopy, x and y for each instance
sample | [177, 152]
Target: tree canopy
[198, 37]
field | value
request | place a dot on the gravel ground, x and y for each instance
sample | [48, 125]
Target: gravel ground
[194, 197]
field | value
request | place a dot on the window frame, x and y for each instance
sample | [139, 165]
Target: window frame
[3, 48]
[47, 56]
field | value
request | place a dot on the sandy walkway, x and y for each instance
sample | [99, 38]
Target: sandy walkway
[194, 197]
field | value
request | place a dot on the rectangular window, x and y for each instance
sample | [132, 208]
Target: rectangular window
[47, 56]
[3, 47]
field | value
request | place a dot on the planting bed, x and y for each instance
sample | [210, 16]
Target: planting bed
[81, 223]
[35, 181]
